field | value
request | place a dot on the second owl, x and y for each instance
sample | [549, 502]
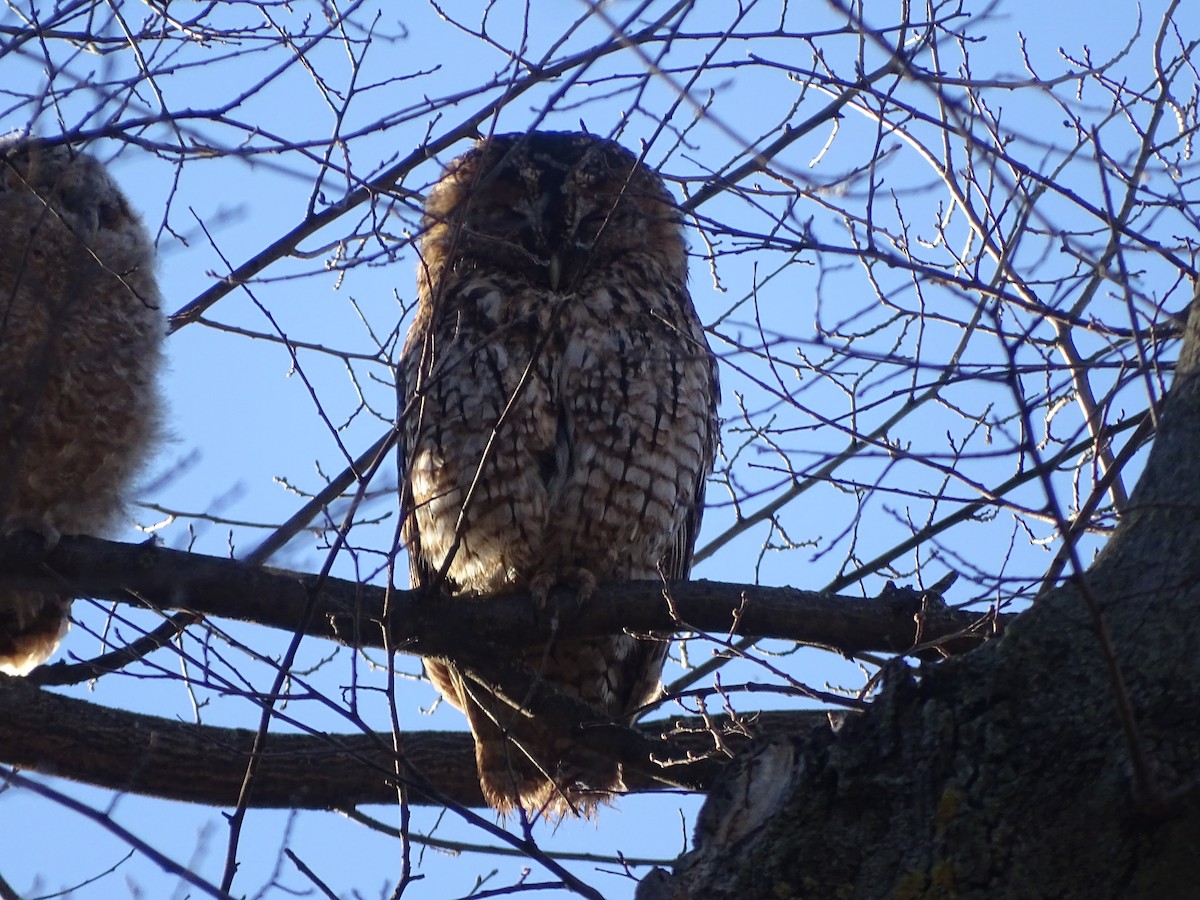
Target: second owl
[81, 335]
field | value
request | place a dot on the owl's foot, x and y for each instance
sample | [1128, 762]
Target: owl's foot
[37, 524]
[577, 577]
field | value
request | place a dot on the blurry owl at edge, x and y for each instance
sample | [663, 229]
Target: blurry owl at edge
[81, 333]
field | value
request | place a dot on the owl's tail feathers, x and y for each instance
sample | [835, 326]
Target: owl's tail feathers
[523, 763]
[31, 625]
[545, 774]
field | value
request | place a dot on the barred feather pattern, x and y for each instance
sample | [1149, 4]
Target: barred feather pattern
[559, 423]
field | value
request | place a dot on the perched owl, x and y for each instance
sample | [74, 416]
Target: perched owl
[559, 422]
[80, 342]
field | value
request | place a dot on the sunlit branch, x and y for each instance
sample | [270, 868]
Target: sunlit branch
[353, 613]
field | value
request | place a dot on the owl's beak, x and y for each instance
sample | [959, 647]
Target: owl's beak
[565, 265]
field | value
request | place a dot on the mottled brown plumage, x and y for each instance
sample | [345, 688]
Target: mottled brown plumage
[80, 343]
[559, 423]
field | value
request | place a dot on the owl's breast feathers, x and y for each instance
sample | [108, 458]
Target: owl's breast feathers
[562, 429]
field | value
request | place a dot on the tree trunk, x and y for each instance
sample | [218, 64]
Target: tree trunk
[1011, 771]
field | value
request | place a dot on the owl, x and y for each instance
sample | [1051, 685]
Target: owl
[558, 423]
[80, 342]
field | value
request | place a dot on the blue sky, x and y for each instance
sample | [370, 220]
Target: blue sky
[256, 428]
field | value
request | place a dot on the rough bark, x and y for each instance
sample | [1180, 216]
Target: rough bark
[159, 757]
[1010, 771]
[361, 615]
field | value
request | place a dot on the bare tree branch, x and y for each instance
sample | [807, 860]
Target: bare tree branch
[353, 614]
[139, 754]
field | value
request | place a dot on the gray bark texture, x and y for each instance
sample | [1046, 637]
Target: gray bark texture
[1010, 771]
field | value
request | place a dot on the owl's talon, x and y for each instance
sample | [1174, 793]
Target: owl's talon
[584, 582]
[540, 587]
[37, 524]
[577, 577]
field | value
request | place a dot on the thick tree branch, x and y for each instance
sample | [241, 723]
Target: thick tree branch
[356, 614]
[125, 751]
[142, 754]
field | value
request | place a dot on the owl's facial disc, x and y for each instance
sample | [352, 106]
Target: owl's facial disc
[553, 208]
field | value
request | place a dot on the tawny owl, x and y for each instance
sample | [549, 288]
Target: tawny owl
[80, 342]
[559, 422]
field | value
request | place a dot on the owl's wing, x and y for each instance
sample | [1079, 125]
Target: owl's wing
[677, 562]
[421, 573]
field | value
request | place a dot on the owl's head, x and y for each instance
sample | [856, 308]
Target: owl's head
[74, 185]
[551, 207]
